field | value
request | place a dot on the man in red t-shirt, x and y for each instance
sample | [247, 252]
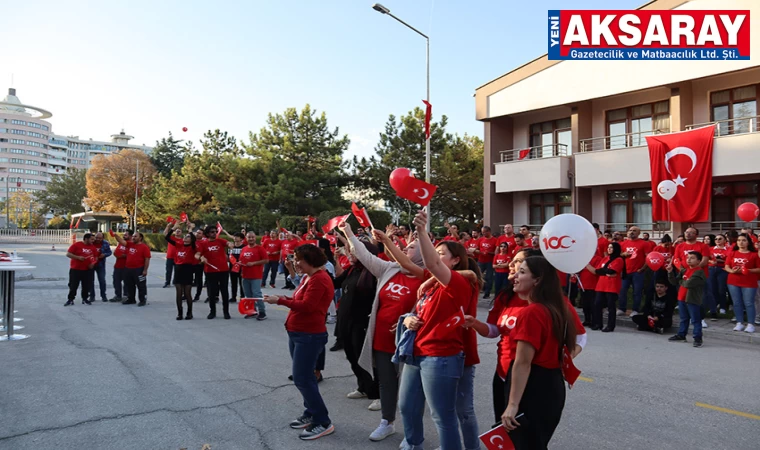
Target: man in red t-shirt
[486, 251]
[508, 237]
[601, 242]
[253, 258]
[635, 254]
[120, 269]
[650, 244]
[518, 244]
[691, 244]
[473, 245]
[83, 257]
[213, 254]
[272, 246]
[453, 232]
[136, 269]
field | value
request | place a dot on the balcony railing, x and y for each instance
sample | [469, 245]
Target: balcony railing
[617, 142]
[59, 142]
[537, 152]
[727, 127]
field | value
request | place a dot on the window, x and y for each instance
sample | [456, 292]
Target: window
[550, 138]
[629, 207]
[545, 206]
[628, 127]
[735, 104]
[726, 199]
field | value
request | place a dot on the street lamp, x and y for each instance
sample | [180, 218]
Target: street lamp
[383, 10]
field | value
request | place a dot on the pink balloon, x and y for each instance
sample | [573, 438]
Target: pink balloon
[398, 175]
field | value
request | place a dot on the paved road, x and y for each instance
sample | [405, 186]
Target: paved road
[109, 376]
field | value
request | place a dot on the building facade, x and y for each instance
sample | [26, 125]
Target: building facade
[569, 136]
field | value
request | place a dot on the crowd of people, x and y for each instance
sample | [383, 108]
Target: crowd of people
[404, 304]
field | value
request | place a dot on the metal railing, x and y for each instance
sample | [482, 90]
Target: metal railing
[723, 226]
[728, 127]
[35, 236]
[537, 152]
[617, 142]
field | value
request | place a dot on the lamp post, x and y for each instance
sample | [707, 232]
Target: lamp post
[383, 10]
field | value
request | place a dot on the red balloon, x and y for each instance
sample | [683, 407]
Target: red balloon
[399, 175]
[184, 128]
[655, 260]
[748, 212]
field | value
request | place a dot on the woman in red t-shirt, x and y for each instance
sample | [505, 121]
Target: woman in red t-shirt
[184, 268]
[742, 266]
[501, 262]
[535, 380]
[717, 277]
[436, 367]
[610, 270]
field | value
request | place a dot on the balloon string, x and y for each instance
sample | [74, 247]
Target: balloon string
[578, 278]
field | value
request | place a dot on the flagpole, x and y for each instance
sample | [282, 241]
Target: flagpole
[427, 137]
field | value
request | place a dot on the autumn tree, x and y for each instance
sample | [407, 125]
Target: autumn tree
[65, 192]
[111, 181]
[24, 209]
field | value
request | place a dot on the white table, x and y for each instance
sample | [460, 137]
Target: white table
[8, 286]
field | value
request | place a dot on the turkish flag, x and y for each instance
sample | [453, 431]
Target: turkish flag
[428, 116]
[78, 222]
[455, 322]
[361, 215]
[569, 371]
[497, 439]
[183, 216]
[685, 159]
[218, 228]
[523, 153]
[332, 223]
[415, 190]
[170, 219]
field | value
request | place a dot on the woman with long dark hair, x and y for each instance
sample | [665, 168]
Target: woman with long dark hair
[742, 266]
[535, 382]
[184, 269]
[608, 286]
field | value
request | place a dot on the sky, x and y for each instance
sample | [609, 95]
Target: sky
[154, 67]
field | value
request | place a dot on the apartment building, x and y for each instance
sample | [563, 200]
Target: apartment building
[569, 136]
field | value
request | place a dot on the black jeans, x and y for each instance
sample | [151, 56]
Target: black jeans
[587, 303]
[500, 397]
[169, 270]
[136, 284]
[609, 300]
[270, 268]
[352, 345]
[119, 277]
[218, 284]
[198, 282]
[387, 377]
[83, 277]
[237, 282]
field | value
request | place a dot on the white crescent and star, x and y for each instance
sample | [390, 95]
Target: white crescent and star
[456, 321]
[423, 197]
[493, 438]
[686, 151]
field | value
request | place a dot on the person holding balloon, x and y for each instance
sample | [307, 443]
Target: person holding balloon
[608, 286]
[743, 265]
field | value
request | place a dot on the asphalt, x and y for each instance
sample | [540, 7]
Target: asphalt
[110, 376]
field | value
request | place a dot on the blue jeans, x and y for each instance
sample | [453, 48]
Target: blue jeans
[466, 409]
[717, 282]
[502, 279]
[688, 311]
[252, 289]
[270, 268]
[744, 300]
[100, 272]
[487, 270]
[305, 349]
[637, 279]
[436, 379]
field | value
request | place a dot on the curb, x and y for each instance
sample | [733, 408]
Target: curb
[24, 276]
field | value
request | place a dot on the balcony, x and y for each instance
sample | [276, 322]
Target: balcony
[617, 142]
[530, 169]
[735, 146]
[613, 159]
[58, 143]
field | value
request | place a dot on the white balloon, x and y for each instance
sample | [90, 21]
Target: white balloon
[568, 242]
[667, 189]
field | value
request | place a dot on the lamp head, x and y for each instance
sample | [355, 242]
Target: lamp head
[380, 8]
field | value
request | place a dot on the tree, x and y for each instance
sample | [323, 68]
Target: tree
[111, 181]
[65, 192]
[23, 209]
[59, 223]
[459, 177]
[169, 155]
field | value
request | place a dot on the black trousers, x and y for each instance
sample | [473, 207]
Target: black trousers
[542, 403]
[608, 300]
[169, 270]
[270, 269]
[587, 303]
[218, 285]
[198, 281]
[237, 282]
[84, 277]
[118, 281]
[136, 284]
[353, 342]
[500, 397]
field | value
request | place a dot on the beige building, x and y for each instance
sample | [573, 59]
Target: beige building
[569, 136]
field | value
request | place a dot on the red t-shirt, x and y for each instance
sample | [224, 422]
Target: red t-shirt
[288, 246]
[579, 328]
[471, 245]
[638, 253]
[470, 336]
[667, 252]
[737, 259]
[439, 335]
[136, 255]
[81, 249]
[400, 242]
[451, 238]
[601, 246]
[313, 242]
[649, 246]
[682, 291]
[272, 248]
[383, 256]
[487, 247]
[562, 278]
[120, 262]
[172, 250]
[719, 255]
[610, 284]
[215, 253]
[501, 259]
[397, 297]
[252, 254]
[184, 254]
[535, 328]
[587, 279]
[510, 240]
[515, 249]
[504, 315]
[682, 252]
[308, 306]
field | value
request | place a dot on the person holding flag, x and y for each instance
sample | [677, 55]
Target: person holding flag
[119, 269]
[272, 246]
[213, 254]
[138, 261]
[83, 256]
[252, 260]
[184, 267]
[171, 250]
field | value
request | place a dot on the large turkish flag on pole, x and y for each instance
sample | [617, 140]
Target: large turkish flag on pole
[684, 161]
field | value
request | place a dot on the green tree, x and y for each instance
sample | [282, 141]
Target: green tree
[64, 193]
[59, 223]
[459, 176]
[168, 154]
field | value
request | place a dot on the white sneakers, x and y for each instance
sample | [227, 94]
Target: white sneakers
[704, 324]
[750, 328]
[634, 313]
[356, 394]
[722, 311]
[331, 318]
[620, 312]
[382, 431]
[739, 327]
[375, 405]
